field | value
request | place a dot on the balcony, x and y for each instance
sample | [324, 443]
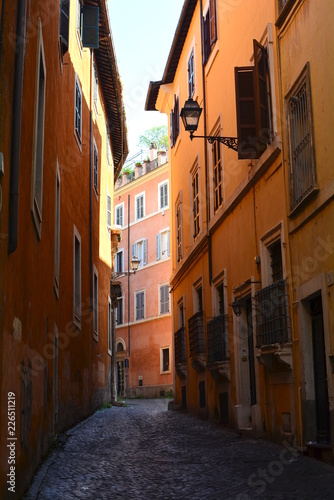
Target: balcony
[180, 346]
[197, 341]
[273, 336]
[218, 349]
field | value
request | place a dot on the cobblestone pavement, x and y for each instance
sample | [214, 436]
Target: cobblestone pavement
[143, 451]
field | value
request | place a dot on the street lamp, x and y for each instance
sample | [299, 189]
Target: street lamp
[190, 115]
[134, 264]
[237, 307]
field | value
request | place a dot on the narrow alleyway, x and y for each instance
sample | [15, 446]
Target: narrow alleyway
[143, 451]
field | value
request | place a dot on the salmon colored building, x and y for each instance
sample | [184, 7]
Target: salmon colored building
[245, 215]
[62, 144]
[144, 353]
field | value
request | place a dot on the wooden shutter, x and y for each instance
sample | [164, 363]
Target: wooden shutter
[176, 118]
[247, 125]
[64, 24]
[144, 252]
[157, 246]
[261, 94]
[133, 250]
[90, 27]
[213, 25]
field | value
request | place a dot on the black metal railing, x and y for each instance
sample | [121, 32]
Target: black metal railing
[216, 342]
[272, 314]
[180, 346]
[196, 334]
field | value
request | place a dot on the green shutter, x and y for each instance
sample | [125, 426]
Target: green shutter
[90, 27]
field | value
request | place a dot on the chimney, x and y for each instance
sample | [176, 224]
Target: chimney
[153, 151]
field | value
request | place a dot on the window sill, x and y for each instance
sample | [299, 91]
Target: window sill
[301, 205]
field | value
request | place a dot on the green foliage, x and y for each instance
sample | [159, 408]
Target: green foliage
[157, 135]
[105, 406]
[169, 394]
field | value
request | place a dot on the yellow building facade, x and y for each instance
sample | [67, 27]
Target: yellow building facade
[235, 240]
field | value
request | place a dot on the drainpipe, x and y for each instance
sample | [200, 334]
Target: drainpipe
[207, 200]
[16, 126]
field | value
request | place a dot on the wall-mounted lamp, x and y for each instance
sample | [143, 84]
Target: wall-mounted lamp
[134, 264]
[190, 115]
[237, 307]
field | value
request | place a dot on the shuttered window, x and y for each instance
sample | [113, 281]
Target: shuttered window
[253, 102]
[163, 195]
[78, 110]
[96, 167]
[140, 211]
[139, 305]
[195, 199]
[90, 27]
[164, 299]
[179, 230]
[174, 122]
[64, 25]
[191, 74]
[108, 210]
[209, 30]
[139, 250]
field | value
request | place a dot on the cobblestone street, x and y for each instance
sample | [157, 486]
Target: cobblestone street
[143, 451]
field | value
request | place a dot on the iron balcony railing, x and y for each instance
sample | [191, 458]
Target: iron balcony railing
[216, 342]
[272, 315]
[196, 334]
[180, 346]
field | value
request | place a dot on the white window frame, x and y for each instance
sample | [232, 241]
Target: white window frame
[78, 29]
[109, 212]
[77, 133]
[38, 145]
[195, 169]
[95, 304]
[76, 280]
[162, 371]
[137, 292]
[118, 207]
[120, 299]
[139, 195]
[136, 253]
[163, 285]
[160, 185]
[191, 54]
[120, 252]
[57, 233]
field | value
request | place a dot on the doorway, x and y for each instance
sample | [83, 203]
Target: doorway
[320, 374]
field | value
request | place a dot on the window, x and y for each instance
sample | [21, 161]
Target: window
[163, 195]
[302, 162]
[78, 110]
[96, 168]
[38, 151]
[119, 264]
[77, 278]
[164, 299]
[201, 391]
[210, 30]
[95, 305]
[220, 299]
[165, 360]
[275, 253]
[108, 210]
[140, 206]
[191, 75]
[119, 217]
[253, 101]
[95, 86]
[162, 245]
[109, 157]
[57, 230]
[139, 302]
[110, 320]
[79, 19]
[178, 212]
[64, 25]
[196, 204]
[217, 175]
[174, 122]
[284, 7]
[139, 250]
[119, 311]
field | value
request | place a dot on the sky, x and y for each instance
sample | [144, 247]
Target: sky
[143, 31]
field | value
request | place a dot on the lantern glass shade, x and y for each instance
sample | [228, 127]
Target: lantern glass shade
[190, 114]
[134, 263]
[237, 307]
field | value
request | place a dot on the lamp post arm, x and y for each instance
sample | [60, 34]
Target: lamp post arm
[230, 142]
